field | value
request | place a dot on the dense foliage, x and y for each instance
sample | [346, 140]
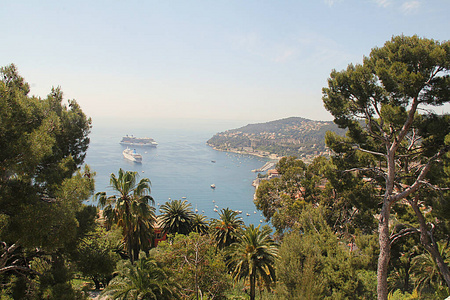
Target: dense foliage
[130, 210]
[196, 265]
[282, 199]
[252, 257]
[315, 264]
[401, 146]
[176, 217]
[391, 169]
[43, 143]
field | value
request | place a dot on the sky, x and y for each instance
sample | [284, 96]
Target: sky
[243, 61]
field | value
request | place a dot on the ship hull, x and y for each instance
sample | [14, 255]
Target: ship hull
[139, 144]
[132, 155]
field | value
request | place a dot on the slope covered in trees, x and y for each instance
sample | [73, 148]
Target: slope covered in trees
[290, 136]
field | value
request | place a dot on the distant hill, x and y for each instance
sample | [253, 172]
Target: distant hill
[291, 136]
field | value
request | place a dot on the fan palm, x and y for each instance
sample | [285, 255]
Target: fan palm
[176, 217]
[225, 228]
[142, 280]
[130, 210]
[253, 257]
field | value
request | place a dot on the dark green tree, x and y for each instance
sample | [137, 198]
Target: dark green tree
[225, 230]
[392, 139]
[425, 271]
[94, 256]
[177, 217]
[200, 224]
[130, 210]
[253, 256]
[314, 264]
[43, 143]
[143, 279]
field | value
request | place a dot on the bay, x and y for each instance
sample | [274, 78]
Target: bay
[182, 166]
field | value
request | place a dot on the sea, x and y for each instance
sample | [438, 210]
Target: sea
[182, 166]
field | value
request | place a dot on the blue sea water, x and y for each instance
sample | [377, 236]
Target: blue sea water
[180, 166]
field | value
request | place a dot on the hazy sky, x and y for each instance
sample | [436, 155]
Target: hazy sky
[225, 60]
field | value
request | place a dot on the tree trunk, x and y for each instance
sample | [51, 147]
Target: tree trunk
[196, 275]
[136, 254]
[130, 248]
[385, 250]
[252, 285]
[384, 239]
[96, 282]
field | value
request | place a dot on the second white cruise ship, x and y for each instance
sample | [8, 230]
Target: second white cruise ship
[132, 155]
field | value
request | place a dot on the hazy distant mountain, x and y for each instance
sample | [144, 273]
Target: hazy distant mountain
[290, 136]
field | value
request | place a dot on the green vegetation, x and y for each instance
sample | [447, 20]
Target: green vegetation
[142, 280]
[225, 230]
[43, 144]
[291, 136]
[316, 265]
[177, 217]
[400, 147]
[252, 257]
[130, 211]
[372, 220]
[195, 265]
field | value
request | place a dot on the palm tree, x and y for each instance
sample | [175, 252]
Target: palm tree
[176, 217]
[130, 210]
[253, 257]
[200, 224]
[142, 280]
[426, 271]
[224, 229]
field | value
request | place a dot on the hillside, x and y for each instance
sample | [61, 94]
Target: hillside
[291, 136]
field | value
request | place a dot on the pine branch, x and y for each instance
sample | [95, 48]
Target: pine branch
[402, 233]
[420, 178]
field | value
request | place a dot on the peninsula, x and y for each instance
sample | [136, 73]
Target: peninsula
[294, 136]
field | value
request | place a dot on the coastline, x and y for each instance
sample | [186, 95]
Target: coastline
[271, 156]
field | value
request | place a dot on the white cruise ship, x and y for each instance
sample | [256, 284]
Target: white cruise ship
[132, 155]
[130, 140]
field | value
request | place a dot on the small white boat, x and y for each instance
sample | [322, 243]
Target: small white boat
[131, 154]
[213, 186]
[247, 214]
